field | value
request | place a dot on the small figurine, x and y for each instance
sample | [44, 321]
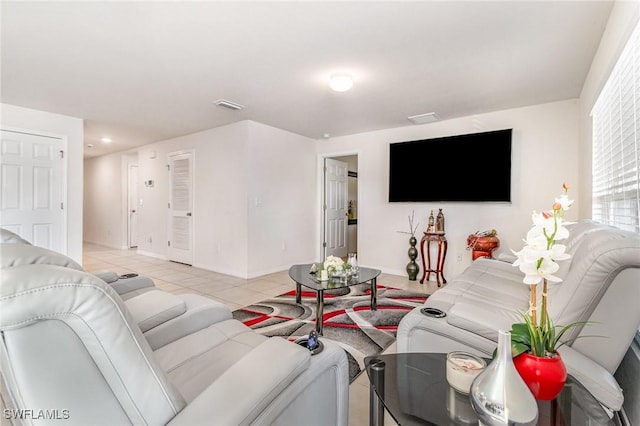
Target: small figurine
[312, 341]
[313, 269]
[440, 222]
[430, 227]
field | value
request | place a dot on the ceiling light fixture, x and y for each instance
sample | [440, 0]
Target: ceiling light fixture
[228, 104]
[340, 82]
[429, 117]
[106, 140]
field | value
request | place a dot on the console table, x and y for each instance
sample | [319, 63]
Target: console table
[441, 242]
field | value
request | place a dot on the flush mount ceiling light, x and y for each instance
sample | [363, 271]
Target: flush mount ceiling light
[340, 82]
[429, 117]
[228, 104]
[106, 140]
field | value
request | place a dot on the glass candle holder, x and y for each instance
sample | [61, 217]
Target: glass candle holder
[462, 368]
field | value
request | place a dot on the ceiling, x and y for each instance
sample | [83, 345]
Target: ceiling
[141, 72]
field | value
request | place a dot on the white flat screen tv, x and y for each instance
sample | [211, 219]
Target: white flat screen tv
[467, 168]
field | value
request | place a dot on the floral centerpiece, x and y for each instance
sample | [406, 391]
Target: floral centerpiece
[538, 260]
[336, 266]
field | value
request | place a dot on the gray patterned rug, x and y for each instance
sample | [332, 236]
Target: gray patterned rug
[348, 319]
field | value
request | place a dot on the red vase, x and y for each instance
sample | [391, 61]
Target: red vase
[545, 377]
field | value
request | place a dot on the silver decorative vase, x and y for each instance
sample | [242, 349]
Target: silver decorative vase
[498, 395]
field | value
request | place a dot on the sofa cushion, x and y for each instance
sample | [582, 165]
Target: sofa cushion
[245, 389]
[198, 359]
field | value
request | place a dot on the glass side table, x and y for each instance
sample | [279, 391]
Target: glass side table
[413, 388]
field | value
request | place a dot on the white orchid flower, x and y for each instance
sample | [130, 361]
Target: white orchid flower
[564, 201]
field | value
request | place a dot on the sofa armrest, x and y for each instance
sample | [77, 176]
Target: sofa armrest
[106, 275]
[155, 307]
[201, 313]
[242, 392]
[595, 378]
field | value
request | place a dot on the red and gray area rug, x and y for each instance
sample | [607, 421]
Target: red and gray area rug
[348, 318]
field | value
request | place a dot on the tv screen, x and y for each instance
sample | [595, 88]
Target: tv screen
[474, 168]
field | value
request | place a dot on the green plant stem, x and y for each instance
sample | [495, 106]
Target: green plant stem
[532, 307]
[543, 313]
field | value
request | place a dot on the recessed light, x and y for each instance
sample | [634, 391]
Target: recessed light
[326, 135]
[340, 82]
[106, 140]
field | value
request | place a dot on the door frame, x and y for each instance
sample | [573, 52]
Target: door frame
[65, 175]
[320, 190]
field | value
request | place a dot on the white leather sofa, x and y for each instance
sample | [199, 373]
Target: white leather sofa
[70, 343]
[125, 286]
[601, 284]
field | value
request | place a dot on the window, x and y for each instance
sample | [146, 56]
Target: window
[616, 134]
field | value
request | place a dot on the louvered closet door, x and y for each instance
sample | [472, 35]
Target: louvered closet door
[32, 179]
[180, 208]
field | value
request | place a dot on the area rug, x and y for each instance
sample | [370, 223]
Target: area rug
[348, 318]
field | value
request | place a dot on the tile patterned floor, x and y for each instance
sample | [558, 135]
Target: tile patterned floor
[234, 292]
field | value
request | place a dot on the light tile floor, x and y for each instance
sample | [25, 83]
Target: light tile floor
[234, 292]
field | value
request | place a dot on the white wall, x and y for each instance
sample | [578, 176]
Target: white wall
[71, 129]
[281, 199]
[254, 199]
[545, 143]
[623, 19]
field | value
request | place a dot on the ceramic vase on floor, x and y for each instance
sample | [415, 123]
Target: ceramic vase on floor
[412, 266]
[545, 377]
[498, 395]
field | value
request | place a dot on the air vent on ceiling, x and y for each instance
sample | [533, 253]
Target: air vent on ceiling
[429, 117]
[228, 104]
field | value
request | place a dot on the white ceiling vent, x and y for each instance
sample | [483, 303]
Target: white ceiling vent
[228, 104]
[429, 117]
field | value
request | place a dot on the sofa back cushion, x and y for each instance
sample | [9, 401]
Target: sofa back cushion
[25, 254]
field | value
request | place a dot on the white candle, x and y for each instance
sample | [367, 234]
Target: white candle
[462, 368]
[324, 275]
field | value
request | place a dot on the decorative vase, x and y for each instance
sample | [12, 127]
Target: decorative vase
[412, 266]
[545, 377]
[498, 395]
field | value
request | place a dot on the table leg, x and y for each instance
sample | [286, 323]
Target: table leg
[374, 294]
[444, 256]
[429, 270]
[439, 263]
[424, 267]
[376, 409]
[319, 311]
[298, 293]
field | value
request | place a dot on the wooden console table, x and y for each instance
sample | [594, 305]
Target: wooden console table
[440, 239]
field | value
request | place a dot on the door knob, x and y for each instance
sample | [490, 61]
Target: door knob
[188, 213]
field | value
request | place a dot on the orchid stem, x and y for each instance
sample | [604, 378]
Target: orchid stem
[534, 313]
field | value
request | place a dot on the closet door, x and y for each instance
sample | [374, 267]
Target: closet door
[180, 208]
[32, 180]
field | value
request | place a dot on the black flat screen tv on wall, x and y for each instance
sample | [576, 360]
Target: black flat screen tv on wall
[468, 168]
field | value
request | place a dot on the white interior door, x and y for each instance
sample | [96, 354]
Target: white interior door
[335, 206]
[132, 205]
[180, 207]
[33, 180]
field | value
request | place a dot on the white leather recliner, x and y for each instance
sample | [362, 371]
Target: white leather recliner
[601, 284]
[70, 347]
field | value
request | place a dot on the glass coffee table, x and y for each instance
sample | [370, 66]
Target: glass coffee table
[414, 390]
[301, 275]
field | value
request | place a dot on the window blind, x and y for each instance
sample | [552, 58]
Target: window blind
[616, 130]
